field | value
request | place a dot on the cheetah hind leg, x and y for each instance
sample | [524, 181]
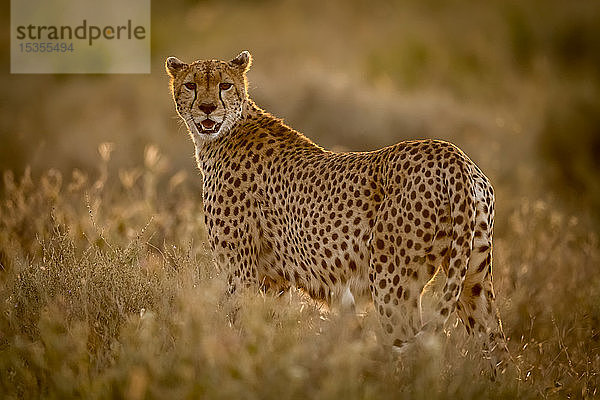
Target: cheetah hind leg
[396, 294]
[477, 310]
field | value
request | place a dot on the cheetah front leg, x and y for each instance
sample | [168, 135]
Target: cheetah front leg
[239, 265]
[235, 251]
[238, 259]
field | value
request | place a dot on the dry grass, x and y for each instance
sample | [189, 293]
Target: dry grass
[107, 288]
[95, 308]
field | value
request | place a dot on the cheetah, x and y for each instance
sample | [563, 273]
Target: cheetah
[283, 212]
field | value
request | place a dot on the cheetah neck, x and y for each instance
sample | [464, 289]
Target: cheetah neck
[258, 127]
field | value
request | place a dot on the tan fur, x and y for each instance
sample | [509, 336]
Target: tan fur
[281, 211]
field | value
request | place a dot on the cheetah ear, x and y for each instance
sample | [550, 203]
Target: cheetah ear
[174, 65]
[243, 61]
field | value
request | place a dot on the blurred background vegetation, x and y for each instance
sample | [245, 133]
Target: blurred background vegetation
[105, 279]
[514, 83]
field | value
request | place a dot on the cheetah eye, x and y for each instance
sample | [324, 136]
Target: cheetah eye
[190, 85]
[225, 85]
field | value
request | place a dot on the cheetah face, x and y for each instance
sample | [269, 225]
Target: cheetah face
[209, 95]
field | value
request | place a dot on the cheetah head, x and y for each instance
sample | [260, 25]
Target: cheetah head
[209, 95]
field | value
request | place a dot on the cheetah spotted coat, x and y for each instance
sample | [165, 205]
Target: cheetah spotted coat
[281, 211]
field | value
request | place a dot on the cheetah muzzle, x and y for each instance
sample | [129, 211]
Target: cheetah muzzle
[281, 211]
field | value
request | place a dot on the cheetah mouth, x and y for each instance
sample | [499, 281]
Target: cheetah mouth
[208, 126]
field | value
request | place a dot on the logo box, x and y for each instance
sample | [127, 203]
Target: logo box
[80, 36]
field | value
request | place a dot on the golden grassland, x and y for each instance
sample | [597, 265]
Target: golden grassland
[107, 287]
[109, 291]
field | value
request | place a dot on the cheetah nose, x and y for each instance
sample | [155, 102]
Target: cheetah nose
[207, 108]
